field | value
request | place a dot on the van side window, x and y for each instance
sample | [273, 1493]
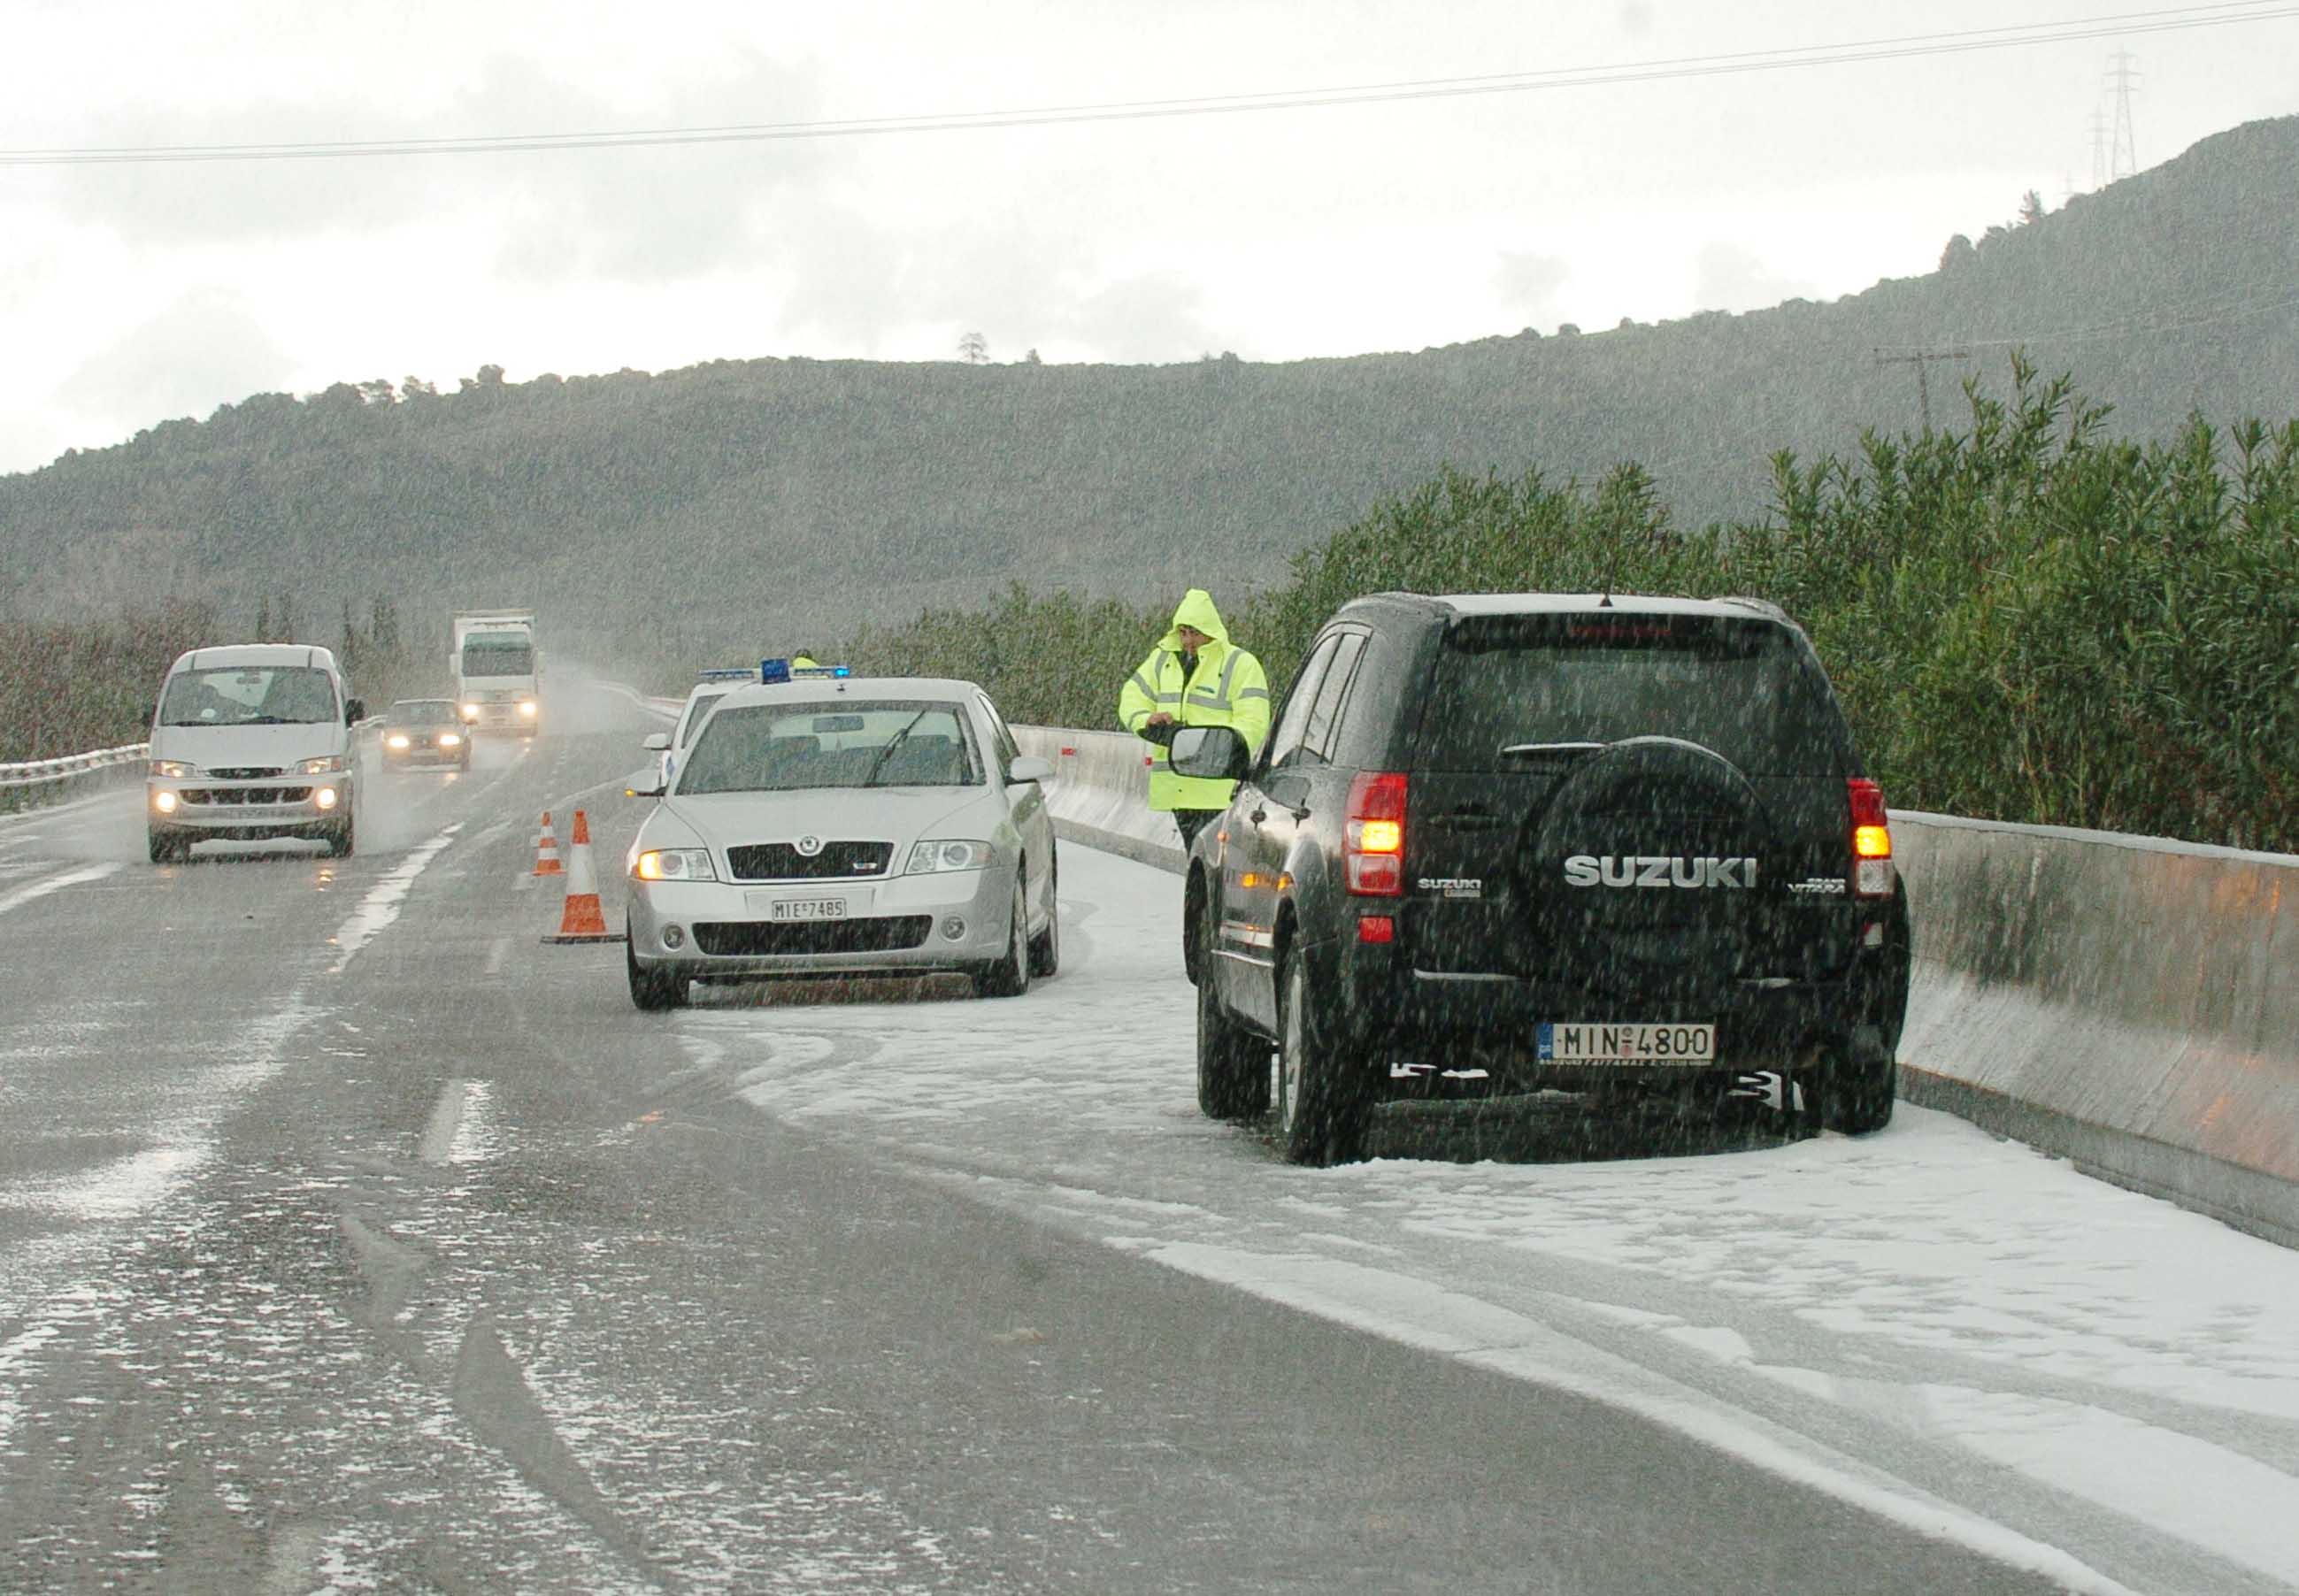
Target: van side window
[1292, 721]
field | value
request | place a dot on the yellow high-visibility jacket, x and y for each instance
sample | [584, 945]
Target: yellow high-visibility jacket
[1227, 688]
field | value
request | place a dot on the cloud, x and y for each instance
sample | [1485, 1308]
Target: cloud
[646, 214]
[1527, 284]
[206, 349]
[1729, 277]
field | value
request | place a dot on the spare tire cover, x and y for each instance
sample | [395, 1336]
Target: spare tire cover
[1642, 872]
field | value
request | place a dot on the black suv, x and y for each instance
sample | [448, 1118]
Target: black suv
[1503, 843]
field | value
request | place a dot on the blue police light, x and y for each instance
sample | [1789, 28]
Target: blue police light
[771, 671]
[741, 673]
[825, 672]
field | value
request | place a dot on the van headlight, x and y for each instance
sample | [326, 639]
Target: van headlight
[927, 857]
[175, 768]
[397, 739]
[674, 864]
[326, 767]
[526, 708]
[470, 712]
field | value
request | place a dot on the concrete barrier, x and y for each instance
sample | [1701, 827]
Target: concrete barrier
[2130, 1004]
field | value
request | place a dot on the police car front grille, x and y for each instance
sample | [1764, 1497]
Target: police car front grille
[752, 939]
[250, 772]
[782, 861]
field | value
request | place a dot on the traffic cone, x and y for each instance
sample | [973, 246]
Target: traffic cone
[546, 851]
[583, 919]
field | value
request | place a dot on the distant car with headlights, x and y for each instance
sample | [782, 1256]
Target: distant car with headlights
[852, 826]
[252, 741]
[425, 731]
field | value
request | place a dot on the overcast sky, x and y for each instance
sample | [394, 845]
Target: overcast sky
[133, 293]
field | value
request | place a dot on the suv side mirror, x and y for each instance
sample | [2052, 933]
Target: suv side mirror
[656, 741]
[1215, 752]
[355, 711]
[1029, 767]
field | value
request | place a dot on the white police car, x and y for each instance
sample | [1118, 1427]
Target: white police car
[836, 825]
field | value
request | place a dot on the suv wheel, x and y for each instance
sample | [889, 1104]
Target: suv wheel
[168, 847]
[651, 991]
[1009, 977]
[1863, 1079]
[342, 839]
[1232, 1062]
[1321, 1096]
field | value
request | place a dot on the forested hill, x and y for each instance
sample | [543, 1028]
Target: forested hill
[759, 499]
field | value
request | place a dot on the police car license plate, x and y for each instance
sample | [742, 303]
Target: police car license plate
[1562, 1044]
[803, 908]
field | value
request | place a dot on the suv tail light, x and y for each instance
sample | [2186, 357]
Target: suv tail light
[1872, 840]
[1372, 848]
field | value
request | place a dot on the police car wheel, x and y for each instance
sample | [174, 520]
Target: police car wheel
[651, 991]
[1046, 948]
[1009, 977]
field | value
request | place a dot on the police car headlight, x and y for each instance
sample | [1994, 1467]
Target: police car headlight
[177, 768]
[927, 857]
[323, 767]
[674, 864]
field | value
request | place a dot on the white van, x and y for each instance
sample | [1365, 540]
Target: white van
[252, 740]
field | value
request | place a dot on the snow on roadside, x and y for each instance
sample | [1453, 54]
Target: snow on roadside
[2011, 1342]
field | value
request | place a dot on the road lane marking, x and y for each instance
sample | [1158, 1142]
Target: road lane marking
[55, 883]
[380, 907]
[446, 1118]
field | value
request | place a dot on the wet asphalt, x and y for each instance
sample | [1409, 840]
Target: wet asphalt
[352, 1239]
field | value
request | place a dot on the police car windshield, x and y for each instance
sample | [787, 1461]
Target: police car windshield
[1742, 688]
[257, 697]
[798, 747]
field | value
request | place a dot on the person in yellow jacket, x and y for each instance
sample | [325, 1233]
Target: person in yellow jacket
[1194, 677]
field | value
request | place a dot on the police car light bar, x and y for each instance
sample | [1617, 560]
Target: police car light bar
[741, 673]
[771, 671]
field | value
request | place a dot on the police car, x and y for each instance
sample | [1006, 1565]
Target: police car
[708, 689]
[826, 825]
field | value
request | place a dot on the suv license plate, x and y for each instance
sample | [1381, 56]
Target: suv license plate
[807, 908]
[1562, 1044]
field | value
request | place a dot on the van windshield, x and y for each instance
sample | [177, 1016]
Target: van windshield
[1742, 688]
[259, 696]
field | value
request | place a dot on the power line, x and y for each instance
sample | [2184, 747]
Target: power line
[2160, 19]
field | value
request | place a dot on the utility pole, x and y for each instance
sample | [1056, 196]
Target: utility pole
[1920, 359]
[2123, 153]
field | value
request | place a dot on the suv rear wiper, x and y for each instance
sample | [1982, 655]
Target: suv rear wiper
[1539, 750]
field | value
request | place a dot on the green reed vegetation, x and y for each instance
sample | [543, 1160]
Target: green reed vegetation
[2028, 619]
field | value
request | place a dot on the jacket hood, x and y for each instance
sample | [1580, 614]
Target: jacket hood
[1196, 609]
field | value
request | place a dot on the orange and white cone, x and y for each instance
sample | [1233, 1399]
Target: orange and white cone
[583, 919]
[546, 851]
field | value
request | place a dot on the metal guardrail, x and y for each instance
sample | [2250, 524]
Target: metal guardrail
[42, 772]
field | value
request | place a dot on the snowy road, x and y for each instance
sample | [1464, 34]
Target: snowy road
[351, 1239]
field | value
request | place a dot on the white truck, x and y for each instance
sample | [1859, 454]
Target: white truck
[497, 670]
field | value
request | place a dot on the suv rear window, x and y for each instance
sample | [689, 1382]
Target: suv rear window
[1742, 688]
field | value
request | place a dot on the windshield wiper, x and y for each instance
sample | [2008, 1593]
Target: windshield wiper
[870, 776]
